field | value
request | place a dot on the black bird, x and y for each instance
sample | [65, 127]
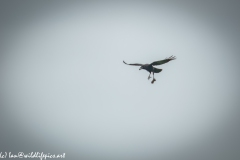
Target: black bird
[150, 68]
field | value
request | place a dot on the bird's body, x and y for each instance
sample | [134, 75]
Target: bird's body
[147, 67]
[150, 68]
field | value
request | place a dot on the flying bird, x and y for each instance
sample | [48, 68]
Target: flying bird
[150, 68]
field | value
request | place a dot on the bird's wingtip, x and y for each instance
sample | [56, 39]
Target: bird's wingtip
[172, 57]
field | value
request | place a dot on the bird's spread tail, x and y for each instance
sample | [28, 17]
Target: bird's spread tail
[156, 70]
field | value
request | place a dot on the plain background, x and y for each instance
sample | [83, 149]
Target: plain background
[64, 88]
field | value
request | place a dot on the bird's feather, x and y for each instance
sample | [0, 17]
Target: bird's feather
[156, 70]
[163, 61]
[134, 64]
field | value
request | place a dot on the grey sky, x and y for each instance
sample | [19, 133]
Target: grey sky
[64, 87]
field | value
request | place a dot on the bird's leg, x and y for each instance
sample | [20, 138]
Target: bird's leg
[153, 79]
[149, 76]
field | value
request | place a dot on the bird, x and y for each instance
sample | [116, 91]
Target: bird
[150, 68]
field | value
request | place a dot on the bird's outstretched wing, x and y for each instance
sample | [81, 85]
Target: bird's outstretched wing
[163, 61]
[134, 64]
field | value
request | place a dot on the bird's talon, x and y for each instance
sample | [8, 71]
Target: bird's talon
[153, 80]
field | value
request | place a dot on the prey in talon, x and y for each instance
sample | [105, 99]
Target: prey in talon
[153, 80]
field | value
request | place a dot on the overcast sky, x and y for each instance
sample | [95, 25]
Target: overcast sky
[64, 88]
